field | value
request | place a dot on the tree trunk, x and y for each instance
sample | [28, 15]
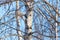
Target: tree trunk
[28, 22]
[17, 20]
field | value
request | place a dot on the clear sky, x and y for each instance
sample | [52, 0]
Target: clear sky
[3, 10]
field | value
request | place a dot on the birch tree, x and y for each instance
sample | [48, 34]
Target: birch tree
[29, 20]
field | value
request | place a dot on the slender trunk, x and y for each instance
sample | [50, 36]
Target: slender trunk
[56, 27]
[17, 20]
[56, 19]
[28, 22]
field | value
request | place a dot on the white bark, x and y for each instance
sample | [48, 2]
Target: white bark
[29, 22]
[56, 28]
[56, 20]
[17, 20]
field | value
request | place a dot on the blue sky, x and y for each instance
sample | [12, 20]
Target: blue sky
[23, 10]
